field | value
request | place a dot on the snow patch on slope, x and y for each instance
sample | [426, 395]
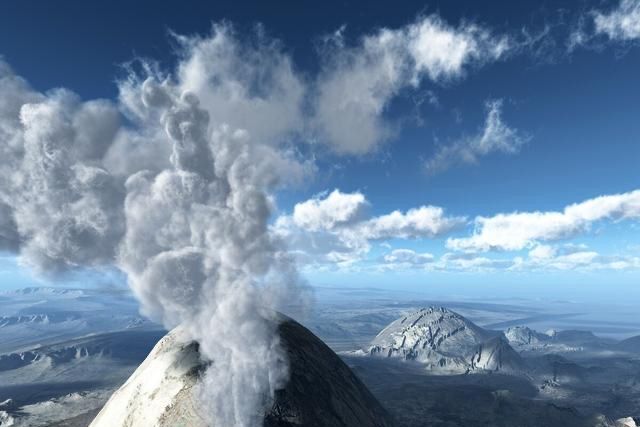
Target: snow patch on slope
[155, 385]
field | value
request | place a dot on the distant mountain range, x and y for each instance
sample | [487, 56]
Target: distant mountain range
[444, 341]
[530, 341]
[64, 351]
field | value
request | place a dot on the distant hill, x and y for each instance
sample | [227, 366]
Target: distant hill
[631, 345]
[444, 340]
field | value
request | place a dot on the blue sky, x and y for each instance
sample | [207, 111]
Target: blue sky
[546, 121]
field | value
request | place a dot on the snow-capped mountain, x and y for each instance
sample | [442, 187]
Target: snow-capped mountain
[160, 392]
[444, 340]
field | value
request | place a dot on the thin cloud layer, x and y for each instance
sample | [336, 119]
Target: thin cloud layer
[520, 230]
[618, 25]
[495, 136]
[407, 258]
[542, 258]
[572, 257]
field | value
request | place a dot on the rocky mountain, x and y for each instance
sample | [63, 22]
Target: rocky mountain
[521, 336]
[444, 340]
[527, 340]
[496, 354]
[322, 390]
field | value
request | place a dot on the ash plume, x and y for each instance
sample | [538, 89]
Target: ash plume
[203, 224]
[175, 191]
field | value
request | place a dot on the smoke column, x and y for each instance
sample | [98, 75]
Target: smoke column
[203, 224]
[172, 184]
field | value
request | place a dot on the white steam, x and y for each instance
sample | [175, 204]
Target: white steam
[197, 250]
[59, 206]
[167, 186]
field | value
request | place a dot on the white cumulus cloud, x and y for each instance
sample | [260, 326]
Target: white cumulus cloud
[334, 210]
[421, 222]
[338, 228]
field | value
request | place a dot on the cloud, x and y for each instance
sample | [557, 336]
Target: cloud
[406, 258]
[573, 257]
[336, 209]
[338, 228]
[495, 136]
[542, 252]
[466, 262]
[357, 84]
[247, 82]
[520, 230]
[60, 207]
[422, 222]
[542, 258]
[621, 23]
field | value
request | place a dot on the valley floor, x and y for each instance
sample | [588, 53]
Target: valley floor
[59, 370]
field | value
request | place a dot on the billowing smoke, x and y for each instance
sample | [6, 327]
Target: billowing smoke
[203, 224]
[175, 191]
[59, 206]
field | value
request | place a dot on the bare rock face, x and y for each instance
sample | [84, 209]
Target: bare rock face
[522, 336]
[322, 390]
[496, 354]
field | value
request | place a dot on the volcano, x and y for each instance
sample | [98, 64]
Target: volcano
[321, 391]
